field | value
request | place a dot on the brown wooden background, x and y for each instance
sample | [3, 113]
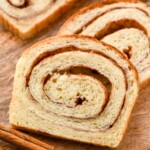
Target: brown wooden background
[11, 47]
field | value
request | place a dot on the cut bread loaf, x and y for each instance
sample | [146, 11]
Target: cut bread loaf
[27, 17]
[135, 45]
[74, 87]
[123, 24]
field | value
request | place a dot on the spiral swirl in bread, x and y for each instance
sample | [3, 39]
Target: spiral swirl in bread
[74, 87]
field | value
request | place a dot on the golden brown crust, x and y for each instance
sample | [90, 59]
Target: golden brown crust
[81, 36]
[145, 84]
[47, 134]
[88, 8]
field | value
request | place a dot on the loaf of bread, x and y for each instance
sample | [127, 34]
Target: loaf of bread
[124, 24]
[74, 87]
[27, 17]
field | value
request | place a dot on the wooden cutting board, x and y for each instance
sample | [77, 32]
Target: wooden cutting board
[11, 47]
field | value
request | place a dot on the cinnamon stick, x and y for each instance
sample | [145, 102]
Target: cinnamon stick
[21, 139]
[1, 148]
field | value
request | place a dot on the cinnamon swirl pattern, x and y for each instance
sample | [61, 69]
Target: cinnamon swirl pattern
[125, 25]
[27, 17]
[74, 87]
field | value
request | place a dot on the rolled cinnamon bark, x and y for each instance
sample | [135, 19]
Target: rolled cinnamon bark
[123, 24]
[76, 88]
[22, 140]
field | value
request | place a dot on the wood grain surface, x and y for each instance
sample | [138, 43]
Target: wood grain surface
[11, 48]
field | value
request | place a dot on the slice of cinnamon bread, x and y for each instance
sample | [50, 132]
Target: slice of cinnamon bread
[74, 87]
[27, 17]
